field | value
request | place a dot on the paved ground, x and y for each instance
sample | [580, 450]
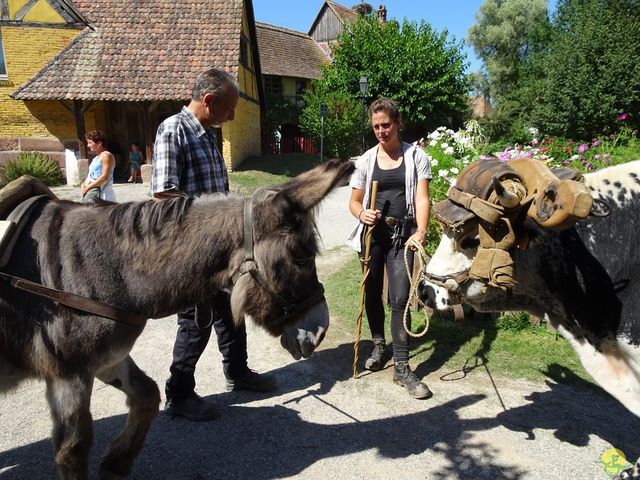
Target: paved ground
[320, 423]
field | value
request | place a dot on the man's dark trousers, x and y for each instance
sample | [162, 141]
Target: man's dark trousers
[194, 331]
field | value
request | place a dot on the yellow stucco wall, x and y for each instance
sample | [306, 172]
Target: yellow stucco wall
[43, 12]
[27, 50]
[241, 137]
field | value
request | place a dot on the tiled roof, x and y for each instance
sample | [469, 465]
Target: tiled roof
[141, 50]
[344, 14]
[288, 53]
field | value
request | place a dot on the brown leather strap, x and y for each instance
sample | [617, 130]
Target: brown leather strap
[77, 302]
[483, 209]
[458, 312]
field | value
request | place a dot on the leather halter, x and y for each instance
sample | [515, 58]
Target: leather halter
[441, 280]
[249, 265]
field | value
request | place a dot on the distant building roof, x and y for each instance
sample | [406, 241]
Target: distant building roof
[142, 50]
[288, 53]
[344, 13]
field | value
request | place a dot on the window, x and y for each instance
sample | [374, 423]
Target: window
[272, 85]
[244, 52]
[301, 84]
[3, 67]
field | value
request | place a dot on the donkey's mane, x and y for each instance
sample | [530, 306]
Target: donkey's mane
[143, 219]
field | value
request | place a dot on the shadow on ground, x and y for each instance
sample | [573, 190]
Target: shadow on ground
[275, 442]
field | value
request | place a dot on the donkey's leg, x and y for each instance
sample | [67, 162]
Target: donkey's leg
[143, 400]
[69, 400]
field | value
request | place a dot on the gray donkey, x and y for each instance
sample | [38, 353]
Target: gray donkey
[261, 249]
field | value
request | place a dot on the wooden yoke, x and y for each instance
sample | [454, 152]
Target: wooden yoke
[558, 204]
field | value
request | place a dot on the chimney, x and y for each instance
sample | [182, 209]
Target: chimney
[362, 8]
[382, 15]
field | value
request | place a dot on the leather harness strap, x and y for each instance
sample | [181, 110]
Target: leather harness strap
[76, 302]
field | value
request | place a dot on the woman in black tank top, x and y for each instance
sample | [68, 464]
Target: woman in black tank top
[392, 228]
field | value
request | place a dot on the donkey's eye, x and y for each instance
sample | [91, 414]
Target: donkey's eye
[469, 242]
[303, 262]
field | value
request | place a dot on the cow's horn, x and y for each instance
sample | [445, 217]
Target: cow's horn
[505, 198]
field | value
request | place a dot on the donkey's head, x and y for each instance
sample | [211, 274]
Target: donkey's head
[276, 283]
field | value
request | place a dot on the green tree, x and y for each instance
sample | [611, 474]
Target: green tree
[590, 72]
[503, 37]
[421, 69]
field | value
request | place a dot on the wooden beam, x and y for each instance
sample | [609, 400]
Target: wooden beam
[78, 115]
[147, 108]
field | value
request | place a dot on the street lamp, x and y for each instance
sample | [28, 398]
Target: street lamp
[364, 85]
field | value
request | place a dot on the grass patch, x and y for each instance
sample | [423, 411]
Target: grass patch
[259, 171]
[510, 346]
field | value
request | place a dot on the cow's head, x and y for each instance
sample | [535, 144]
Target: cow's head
[484, 218]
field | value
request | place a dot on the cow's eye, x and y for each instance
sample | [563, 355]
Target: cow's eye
[469, 242]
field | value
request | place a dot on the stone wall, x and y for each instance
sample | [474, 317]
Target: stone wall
[11, 147]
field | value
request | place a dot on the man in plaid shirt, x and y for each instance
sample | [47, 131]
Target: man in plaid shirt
[186, 161]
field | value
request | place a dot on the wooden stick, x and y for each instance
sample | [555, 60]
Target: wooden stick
[365, 273]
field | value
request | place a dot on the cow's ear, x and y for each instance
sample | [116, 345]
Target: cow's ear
[307, 189]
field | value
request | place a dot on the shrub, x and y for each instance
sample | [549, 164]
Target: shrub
[514, 321]
[35, 164]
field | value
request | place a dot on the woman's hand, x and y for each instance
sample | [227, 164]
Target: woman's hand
[418, 237]
[84, 188]
[369, 217]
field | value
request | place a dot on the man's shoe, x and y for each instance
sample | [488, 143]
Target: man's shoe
[403, 376]
[192, 407]
[253, 381]
[377, 359]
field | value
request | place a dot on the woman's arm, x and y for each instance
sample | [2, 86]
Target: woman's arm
[423, 206]
[365, 215]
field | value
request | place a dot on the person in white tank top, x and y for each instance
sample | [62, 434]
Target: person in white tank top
[99, 182]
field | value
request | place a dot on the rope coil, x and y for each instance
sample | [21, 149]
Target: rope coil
[413, 290]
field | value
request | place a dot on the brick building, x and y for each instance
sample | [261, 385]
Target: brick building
[125, 67]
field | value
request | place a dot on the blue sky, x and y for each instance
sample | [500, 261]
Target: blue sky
[456, 16]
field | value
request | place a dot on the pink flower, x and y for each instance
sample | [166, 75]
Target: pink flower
[583, 148]
[535, 142]
[596, 143]
[623, 117]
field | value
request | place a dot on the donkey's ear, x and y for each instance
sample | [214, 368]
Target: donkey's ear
[309, 188]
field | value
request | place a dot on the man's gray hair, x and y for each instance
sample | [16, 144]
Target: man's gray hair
[213, 81]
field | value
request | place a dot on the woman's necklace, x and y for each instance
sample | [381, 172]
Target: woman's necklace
[389, 161]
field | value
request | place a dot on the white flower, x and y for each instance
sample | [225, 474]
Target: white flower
[443, 173]
[448, 150]
[454, 170]
[433, 143]
[444, 145]
[434, 162]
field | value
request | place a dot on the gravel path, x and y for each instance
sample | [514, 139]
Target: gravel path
[320, 423]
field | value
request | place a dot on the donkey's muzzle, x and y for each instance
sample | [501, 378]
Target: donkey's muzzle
[302, 338]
